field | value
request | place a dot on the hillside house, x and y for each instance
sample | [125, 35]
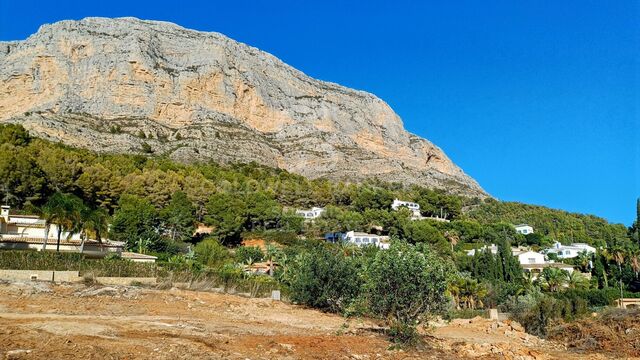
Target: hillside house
[414, 207]
[569, 251]
[524, 229]
[536, 269]
[25, 232]
[531, 257]
[364, 239]
[311, 214]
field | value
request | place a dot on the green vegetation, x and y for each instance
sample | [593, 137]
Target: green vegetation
[34, 260]
[552, 224]
[405, 286]
[154, 205]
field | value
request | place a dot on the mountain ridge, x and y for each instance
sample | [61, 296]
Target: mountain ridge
[130, 85]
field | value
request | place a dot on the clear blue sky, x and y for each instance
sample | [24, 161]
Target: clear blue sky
[539, 100]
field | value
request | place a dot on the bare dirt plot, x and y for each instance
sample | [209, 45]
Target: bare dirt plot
[38, 321]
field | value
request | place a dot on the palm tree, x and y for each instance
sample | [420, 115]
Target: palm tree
[94, 221]
[583, 260]
[473, 292]
[467, 293]
[618, 254]
[64, 211]
[635, 262]
[575, 280]
[454, 288]
[552, 279]
[52, 212]
[453, 238]
[272, 252]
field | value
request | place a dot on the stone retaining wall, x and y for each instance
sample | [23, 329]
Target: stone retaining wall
[40, 275]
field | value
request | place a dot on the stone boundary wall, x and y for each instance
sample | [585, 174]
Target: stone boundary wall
[40, 275]
[69, 276]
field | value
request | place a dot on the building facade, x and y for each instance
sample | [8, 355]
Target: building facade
[311, 214]
[28, 232]
[524, 229]
[364, 239]
[569, 251]
[414, 207]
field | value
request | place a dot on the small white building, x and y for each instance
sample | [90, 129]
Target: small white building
[414, 207]
[28, 226]
[531, 257]
[493, 248]
[364, 239]
[524, 229]
[24, 232]
[314, 213]
[569, 251]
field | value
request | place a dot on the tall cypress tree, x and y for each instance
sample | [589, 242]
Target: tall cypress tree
[636, 225]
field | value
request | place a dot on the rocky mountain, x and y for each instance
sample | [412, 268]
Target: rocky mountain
[129, 85]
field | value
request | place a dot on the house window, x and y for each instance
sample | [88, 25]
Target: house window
[532, 260]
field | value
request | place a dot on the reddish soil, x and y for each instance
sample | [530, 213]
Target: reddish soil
[39, 321]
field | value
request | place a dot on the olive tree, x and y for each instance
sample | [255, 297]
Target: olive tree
[405, 285]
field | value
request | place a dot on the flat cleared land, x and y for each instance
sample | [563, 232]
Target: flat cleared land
[39, 321]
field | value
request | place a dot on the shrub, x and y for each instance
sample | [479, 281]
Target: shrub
[211, 253]
[322, 279]
[42, 260]
[595, 297]
[146, 148]
[404, 286]
[248, 254]
[537, 311]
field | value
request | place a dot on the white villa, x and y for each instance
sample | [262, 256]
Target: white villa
[415, 208]
[363, 239]
[314, 213]
[531, 261]
[23, 232]
[524, 229]
[569, 251]
[531, 257]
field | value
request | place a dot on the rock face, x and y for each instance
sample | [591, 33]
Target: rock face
[122, 85]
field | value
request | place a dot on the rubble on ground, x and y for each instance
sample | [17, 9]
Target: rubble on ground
[616, 331]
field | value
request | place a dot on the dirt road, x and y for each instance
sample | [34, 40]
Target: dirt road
[39, 321]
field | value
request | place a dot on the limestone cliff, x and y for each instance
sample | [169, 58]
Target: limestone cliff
[115, 84]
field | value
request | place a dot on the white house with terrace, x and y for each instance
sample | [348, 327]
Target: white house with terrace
[364, 239]
[414, 207]
[524, 229]
[311, 214]
[569, 251]
[28, 232]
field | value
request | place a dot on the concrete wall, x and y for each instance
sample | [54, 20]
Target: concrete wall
[41, 275]
[126, 280]
[69, 276]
